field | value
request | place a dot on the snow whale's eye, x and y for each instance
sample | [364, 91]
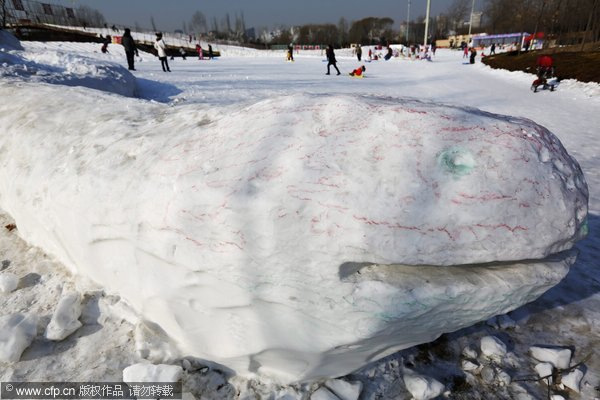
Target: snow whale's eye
[456, 161]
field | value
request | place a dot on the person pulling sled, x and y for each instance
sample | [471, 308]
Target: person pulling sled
[544, 71]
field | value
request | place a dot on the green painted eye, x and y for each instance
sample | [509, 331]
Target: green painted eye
[456, 161]
[584, 229]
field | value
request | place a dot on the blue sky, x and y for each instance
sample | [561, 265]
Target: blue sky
[170, 14]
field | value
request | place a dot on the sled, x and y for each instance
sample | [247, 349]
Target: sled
[544, 84]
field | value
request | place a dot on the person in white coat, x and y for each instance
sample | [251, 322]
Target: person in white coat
[161, 48]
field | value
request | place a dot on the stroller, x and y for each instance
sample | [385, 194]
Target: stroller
[544, 71]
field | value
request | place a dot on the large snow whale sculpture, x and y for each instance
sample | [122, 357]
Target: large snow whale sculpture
[269, 237]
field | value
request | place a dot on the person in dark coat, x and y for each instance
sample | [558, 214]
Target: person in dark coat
[473, 55]
[130, 48]
[210, 52]
[331, 59]
[389, 54]
[105, 44]
[358, 52]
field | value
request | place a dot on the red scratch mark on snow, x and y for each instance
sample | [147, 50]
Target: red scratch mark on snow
[337, 207]
[486, 196]
[323, 181]
[445, 230]
[385, 223]
[413, 111]
[456, 128]
[502, 226]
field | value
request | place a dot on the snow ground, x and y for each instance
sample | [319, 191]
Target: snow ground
[567, 315]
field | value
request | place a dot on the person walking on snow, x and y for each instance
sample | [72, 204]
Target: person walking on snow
[130, 48]
[105, 44]
[331, 59]
[358, 52]
[161, 48]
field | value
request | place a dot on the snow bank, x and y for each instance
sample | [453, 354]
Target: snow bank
[262, 237]
[62, 68]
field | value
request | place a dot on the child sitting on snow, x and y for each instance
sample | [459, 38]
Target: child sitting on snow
[358, 72]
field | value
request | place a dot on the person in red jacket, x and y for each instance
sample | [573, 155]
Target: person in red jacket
[358, 72]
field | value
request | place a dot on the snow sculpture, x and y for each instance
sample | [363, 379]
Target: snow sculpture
[300, 237]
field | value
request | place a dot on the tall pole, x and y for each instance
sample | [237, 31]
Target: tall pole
[407, 22]
[427, 22]
[471, 18]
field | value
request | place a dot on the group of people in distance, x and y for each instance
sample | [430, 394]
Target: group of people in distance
[159, 45]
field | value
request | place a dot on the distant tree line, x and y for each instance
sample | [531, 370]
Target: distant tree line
[564, 20]
[225, 29]
[370, 30]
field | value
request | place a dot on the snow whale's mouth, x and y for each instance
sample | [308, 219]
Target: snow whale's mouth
[355, 271]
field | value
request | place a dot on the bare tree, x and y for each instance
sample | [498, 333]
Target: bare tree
[563, 21]
[370, 30]
[342, 31]
[458, 12]
[197, 23]
[3, 13]
[227, 23]
[215, 25]
[90, 16]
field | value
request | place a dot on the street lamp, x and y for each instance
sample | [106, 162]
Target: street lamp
[407, 22]
[427, 22]
[471, 19]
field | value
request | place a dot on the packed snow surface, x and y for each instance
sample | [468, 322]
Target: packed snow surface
[265, 231]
